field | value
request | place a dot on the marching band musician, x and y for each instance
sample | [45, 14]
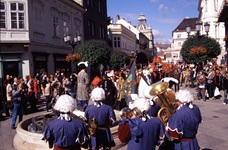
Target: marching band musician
[154, 106]
[66, 132]
[120, 100]
[124, 132]
[182, 126]
[146, 131]
[105, 116]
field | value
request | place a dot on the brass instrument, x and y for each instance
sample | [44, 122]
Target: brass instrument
[91, 124]
[167, 106]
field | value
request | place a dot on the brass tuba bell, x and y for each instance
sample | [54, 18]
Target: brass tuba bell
[167, 106]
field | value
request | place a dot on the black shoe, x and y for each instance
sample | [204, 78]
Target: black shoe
[13, 127]
[204, 100]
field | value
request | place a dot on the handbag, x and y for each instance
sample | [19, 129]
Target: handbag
[216, 93]
[206, 93]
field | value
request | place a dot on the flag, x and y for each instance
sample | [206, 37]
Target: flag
[141, 87]
[130, 83]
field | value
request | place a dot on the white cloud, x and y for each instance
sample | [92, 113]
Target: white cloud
[173, 9]
[163, 9]
[186, 3]
[161, 37]
[153, 1]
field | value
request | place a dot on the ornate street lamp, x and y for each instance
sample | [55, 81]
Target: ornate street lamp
[188, 29]
[73, 41]
[207, 27]
[68, 39]
[198, 27]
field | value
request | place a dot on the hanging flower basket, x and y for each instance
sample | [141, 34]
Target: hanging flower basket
[198, 50]
[75, 57]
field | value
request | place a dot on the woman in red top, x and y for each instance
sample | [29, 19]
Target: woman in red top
[37, 89]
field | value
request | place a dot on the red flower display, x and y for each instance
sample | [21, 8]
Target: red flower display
[198, 50]
[75, 57]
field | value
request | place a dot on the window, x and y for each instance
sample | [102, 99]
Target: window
[116, 42]
[17, 12]
[179, 43]
[38, 20]
[2, 15]
[216, 5]
[91, 28]
[206, 6]
[178, 35]
[99, 5]
[55, 26]
[89, 3]
[102, 32]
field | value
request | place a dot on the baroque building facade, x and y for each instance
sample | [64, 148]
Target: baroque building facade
[208, 13]
[138, 43]
[146, 29]
[32, 34]
[95, 19]
[223, 17]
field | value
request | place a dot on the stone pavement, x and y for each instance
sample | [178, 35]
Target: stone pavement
[212, 134]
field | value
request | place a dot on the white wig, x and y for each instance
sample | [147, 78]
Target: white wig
[97, 94]
[184, 96]
[65, 104]
[142, 103]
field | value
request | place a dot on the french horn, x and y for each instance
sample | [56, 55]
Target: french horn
[167, 104]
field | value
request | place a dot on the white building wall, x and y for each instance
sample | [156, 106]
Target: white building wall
[127, 37]
[37, 36]
[208, 12]
[9, 35]
[129, 26]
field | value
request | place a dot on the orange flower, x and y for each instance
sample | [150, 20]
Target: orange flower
[198, 50]
[73, 57]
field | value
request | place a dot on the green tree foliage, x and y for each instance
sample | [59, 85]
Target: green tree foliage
[118, 58]
[212, 46]
[94, 51]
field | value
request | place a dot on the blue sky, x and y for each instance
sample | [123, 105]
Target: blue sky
[162, 15]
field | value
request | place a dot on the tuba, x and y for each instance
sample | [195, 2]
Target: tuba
[167, 105]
